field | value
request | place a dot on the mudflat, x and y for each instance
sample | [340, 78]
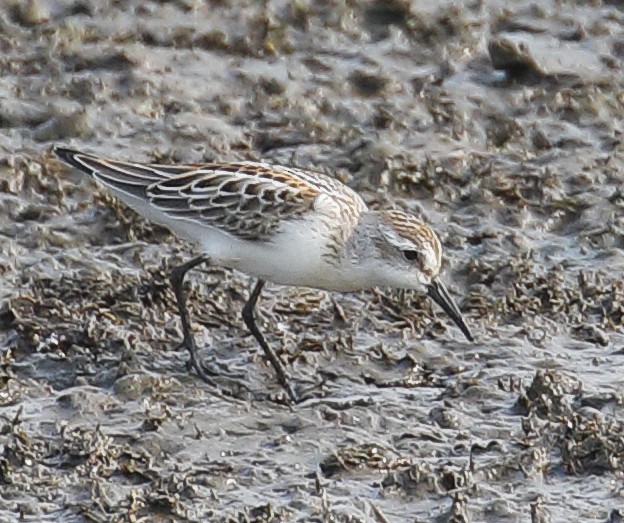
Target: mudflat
[500, 123]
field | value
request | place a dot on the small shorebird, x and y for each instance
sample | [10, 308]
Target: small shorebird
[279, 224]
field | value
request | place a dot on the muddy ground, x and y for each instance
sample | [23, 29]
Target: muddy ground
[500, 122]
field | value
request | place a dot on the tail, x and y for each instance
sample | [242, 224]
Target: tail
[122, 177]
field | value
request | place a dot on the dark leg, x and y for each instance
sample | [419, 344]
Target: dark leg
[248, 318]
[177, 282]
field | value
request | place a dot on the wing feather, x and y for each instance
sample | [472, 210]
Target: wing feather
[248, 200]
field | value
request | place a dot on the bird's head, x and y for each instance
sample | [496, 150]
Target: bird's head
[412, 258]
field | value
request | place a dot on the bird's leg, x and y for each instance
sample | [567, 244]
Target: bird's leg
[177, 283]
[248, 318]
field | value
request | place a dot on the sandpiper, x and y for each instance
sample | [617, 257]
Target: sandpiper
[280, 224]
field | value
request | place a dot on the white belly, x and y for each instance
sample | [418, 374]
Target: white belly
[294, 256]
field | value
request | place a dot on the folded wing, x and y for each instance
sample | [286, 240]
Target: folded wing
[246, 199]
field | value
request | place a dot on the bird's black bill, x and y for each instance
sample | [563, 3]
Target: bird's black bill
[439, 294]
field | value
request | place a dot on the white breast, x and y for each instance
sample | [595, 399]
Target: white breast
[296, 255]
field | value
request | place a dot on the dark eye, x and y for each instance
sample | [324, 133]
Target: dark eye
[411, 255]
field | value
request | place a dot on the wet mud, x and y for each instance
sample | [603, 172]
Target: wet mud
[499, 122]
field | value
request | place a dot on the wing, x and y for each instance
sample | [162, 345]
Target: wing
[124, 177]
[246, 199]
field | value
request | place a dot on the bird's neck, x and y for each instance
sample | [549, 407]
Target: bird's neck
[361, 247]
